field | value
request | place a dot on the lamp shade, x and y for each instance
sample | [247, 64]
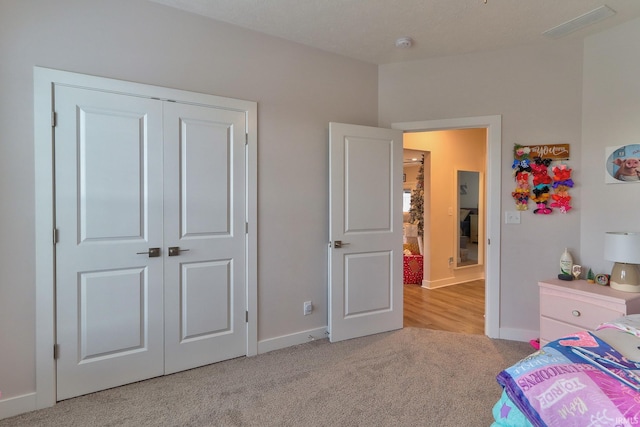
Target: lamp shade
[622, 247]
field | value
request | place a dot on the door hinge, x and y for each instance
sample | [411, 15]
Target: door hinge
[55, 236]
[246, 228]
[246, 138]
[488, 241]
[54, 118]
[56, 351]
[246, 316]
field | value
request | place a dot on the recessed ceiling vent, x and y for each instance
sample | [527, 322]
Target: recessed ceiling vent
[580, 22]
[404, 42]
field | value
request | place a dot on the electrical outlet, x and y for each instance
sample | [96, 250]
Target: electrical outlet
[308, 308]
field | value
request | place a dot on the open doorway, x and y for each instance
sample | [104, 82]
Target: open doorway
[489, 231]
[443, 173]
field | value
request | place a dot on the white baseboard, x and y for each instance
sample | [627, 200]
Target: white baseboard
[13, 406]
[523, 335]
[284, 341]
[435, 284]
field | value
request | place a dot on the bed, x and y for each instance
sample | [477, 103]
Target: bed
[587, 379]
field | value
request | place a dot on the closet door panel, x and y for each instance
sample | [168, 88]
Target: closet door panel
[205, 288]
[109, 292]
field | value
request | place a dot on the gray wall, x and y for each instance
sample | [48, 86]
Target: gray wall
[537, 90]
[298, 91]
[585, 94]
[611, 109]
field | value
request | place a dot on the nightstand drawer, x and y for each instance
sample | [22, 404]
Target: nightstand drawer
[579, 313]
[552, 329]
[570, 306]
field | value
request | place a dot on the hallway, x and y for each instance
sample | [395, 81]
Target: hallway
[456, 308]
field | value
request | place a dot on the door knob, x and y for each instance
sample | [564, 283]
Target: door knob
[153, 252]
[339, 243]
[175, 250]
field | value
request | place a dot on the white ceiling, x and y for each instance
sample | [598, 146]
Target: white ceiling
[367, 29]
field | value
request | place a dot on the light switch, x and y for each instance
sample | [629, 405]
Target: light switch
[512, 217]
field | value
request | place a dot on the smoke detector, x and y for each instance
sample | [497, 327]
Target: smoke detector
[404, 42]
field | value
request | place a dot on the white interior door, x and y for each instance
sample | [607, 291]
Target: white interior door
[365, 231]
[151, 257]
[205, 288]
[109, 296]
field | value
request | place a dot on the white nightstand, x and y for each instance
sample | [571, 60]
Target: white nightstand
[570, 306]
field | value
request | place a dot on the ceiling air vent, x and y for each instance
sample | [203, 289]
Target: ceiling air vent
[581, 21]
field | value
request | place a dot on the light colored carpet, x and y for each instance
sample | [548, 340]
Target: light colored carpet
[409, 377]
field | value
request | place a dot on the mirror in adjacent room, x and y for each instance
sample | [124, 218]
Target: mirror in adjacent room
[468, 187]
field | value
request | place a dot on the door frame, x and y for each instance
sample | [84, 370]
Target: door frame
[44, 80]
[493, 168]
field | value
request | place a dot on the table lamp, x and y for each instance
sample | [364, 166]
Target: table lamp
[623, 248]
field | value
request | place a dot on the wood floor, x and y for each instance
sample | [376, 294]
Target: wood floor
[456, 308]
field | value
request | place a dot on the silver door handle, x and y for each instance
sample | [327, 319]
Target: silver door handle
[152, 252]
[175, 250]
[339, 243]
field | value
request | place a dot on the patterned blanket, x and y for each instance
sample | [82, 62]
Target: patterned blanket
[578, 380]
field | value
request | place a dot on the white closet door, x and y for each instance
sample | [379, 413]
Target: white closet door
[151, 257]
[108, 188]
[205, 297]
